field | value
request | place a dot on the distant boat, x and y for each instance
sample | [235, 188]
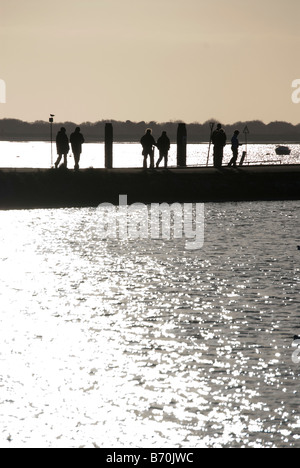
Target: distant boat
[282, 150]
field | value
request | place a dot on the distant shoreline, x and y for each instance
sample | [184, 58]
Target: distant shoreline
[15, 130]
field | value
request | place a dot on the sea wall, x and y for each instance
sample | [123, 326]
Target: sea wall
[66, 188]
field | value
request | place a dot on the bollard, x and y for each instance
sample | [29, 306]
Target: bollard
[181, 145]
[108, 146]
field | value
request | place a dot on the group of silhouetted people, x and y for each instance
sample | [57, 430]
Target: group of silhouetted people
[63, 146]
[219, 139]
[77, 139]
[148, 143]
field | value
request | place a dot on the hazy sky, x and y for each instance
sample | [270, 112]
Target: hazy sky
[161, 60]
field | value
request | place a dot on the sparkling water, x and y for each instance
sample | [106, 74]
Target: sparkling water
[110, 343]
[38, 155]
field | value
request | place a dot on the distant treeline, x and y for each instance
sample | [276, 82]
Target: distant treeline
[275, 132]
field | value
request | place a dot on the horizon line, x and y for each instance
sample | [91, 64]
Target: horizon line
[153, 122]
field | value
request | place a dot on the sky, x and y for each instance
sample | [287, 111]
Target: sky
[156, 60]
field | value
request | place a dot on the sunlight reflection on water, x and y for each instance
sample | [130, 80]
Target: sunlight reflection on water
[115, 344]
[38, 155]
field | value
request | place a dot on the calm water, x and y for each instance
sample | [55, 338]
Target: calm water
[144, 343]
[38, 154]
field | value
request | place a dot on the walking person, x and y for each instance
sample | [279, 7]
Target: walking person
[148, 142]
[218, 139]
[163, 144]
[62, 146]
[235, 148]
[76, 140]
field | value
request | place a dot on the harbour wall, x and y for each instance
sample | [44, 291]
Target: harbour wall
[29, 188]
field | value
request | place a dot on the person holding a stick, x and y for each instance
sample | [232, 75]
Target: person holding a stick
[218, 139]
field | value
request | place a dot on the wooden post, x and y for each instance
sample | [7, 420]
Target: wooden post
[108, 146]
[181, 145]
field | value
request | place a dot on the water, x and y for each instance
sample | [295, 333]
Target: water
[38, 155]
[144, 343]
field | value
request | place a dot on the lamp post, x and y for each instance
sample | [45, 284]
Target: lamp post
[51, 135]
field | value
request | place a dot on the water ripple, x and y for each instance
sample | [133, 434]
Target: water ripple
[110, 344]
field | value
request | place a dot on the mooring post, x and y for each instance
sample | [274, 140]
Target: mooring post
[108, 146]
[181, 145]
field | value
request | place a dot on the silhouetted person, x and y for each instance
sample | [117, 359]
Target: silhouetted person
[163, 144]
[218, 139]
[235, 148]
[76, 140]
[62, 146]
[147, 142]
